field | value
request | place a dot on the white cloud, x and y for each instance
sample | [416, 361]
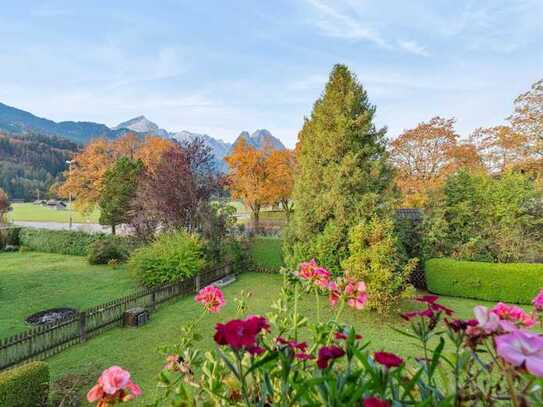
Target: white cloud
[347, 20]
[413, 47]
[335, 21]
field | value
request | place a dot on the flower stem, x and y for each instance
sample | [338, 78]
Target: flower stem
[296, 312]
[510, 384]
[318, 307]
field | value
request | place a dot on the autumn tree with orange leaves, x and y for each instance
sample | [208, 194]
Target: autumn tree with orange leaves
[249, 178]
[425, 156]
[281, 166]
[500, 147]
[85, 178]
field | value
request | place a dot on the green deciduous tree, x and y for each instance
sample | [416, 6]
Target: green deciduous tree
[119, 189]
[485, 218]
[4, 205]
[342, 176]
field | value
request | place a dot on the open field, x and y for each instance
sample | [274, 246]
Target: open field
[28, 212]
[32, 282]
[137, 349]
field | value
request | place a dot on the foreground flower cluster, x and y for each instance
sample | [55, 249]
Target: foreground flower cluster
[320, 279]
[261, 360]
[114, 386]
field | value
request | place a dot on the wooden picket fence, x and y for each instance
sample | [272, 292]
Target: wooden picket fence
[47, 340]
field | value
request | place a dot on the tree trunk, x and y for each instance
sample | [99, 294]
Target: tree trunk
[113, 231]
[256, 219]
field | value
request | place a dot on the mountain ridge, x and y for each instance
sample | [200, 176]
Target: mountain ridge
[18, 121]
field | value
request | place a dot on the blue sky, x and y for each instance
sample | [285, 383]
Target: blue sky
[223, 66]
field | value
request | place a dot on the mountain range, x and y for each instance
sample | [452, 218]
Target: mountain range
[17, 121]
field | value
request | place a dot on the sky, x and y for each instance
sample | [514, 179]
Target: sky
[222, 66]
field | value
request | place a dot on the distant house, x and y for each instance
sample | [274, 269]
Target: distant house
[54, 204]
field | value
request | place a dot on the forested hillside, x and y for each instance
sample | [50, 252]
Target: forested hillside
[31, 163]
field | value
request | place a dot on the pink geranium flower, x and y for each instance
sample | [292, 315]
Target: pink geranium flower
[522, 349]
[513, 314]
[306, 269]
[334, 293]
[537, 302]
[211, 297]
[321, 277]
[114, 385]
[311, 272]
[356, 294]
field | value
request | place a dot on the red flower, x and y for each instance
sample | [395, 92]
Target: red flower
[292, 344]
[387, 359]
[303, 356]
[440, 308]
[342, 336]
[327, 353]
[240, 333]
[429, 299]
[375, 402]
[427, 313]
[458, 325]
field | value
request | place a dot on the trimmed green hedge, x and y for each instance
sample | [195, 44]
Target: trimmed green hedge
[58, 241]
[267, 254]
[25, 386]
[508, 282]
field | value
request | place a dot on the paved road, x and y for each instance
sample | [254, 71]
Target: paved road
[84, 227]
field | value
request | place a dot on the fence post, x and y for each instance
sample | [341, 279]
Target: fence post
[197, 282]
[82, 326]
[153, 300]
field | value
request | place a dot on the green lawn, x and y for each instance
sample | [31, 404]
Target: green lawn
[266, 252]
[31, 282]
[137, 349]
[36, 213]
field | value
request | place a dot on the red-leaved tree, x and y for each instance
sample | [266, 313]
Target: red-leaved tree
[172, 196]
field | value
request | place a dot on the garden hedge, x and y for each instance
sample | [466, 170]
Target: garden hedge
[173, 256]
[266, 254]
[508, 282]
[25, 386]
[9, 237]
[58, 241]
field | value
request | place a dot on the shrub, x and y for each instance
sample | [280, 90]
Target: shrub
[236, 253]
[9, 237]
[480, 217]
[171, 257]
[58, 241]
[375, 258]
[512, 282]
[266, 254]
[109, 248]
[25, 386]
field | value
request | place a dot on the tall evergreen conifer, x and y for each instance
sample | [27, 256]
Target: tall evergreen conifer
[343, 175]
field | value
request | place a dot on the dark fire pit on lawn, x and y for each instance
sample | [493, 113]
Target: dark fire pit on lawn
[50, 315]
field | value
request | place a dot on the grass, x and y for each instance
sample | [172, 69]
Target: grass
[266, 253]
[137, 349]
[31, 282]
[28, 212]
